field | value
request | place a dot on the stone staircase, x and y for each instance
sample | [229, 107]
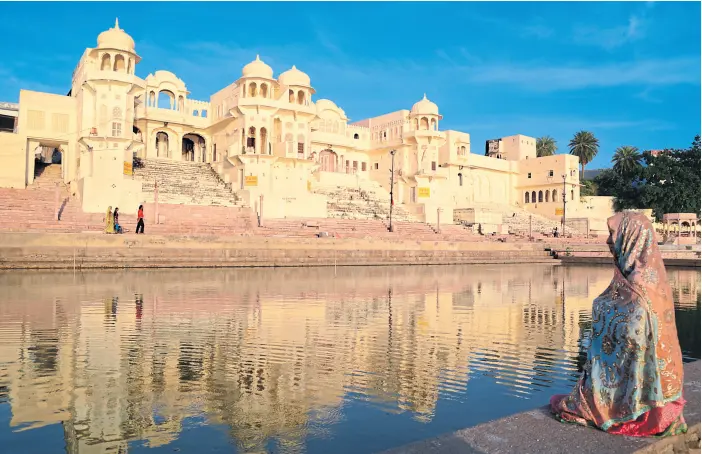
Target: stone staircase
[34, 209]
[184, 183]
[368, 201]
[517, 221]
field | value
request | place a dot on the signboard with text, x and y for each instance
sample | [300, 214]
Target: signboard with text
[423, 192]
[251, 180]
[559, 211]
[127, 168]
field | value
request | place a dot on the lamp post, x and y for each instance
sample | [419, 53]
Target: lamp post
[563, 219]
[392, 185]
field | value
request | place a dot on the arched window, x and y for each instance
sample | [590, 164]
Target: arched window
[526, 197]
[263, 133]
[548, 196]
[130, 68]
[252, 89]
[300, 97]
[355, 136]
[105, 64]
[463, 150]
[166, 100]
[264, 90]
[433, 124]
[554, 195]
[251, 140]
[120, 64]
[425, 124]
[533, 196]
[541, 196]
[291, 97]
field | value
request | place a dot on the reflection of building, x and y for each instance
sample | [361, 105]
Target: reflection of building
[265, 135]
[275, 358]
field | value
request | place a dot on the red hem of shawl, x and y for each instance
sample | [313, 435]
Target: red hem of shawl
[659, 421]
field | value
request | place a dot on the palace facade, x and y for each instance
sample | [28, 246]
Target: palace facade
[270, 139]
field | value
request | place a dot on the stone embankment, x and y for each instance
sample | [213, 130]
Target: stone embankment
[593, 254]
[89, 250]
[537, 432]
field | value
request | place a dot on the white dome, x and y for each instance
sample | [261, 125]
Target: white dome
[257, 69]
[424, 106]
[115, 38]
[294, 76]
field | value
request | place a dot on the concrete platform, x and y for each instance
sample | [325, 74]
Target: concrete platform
[537, 432]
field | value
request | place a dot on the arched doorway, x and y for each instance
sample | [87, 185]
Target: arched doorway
[161, 145]
[328, 160]
[193, 148]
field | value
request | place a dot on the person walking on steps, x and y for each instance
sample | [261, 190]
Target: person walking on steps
[140, 220]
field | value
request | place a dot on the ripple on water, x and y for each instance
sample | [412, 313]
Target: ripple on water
[295, 360]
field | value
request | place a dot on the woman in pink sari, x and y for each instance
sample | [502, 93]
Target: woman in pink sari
[632, 381]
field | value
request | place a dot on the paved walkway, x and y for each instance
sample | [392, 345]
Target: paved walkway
[537, 432]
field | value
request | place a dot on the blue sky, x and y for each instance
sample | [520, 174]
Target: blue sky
[629, 71]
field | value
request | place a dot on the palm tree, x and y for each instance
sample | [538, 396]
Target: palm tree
[626, 159]
[585, 146]
[545, 146]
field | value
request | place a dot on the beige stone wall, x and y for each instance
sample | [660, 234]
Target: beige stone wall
[49, 120]
[13, 160]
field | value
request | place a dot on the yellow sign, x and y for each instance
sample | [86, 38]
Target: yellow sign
[127, 168]
[423, 192]
[309, 185]
[251, 180]
[559, 211]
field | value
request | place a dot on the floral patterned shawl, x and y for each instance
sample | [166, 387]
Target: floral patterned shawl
[632, 381]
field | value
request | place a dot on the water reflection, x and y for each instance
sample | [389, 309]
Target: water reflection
[297, 360]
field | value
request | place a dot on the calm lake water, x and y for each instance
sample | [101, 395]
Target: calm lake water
[289, 360]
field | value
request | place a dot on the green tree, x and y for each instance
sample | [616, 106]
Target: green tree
[626, 160]
[672, 180]
[668, 182]
[588, 188]
[585, 146]
[545, 146]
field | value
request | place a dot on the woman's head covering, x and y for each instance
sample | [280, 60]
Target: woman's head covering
[109, 209]
[636, 254]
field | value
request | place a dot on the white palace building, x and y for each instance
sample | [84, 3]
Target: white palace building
[267, 136]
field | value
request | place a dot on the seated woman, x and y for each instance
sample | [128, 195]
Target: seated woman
[632, 381]
[118, 228]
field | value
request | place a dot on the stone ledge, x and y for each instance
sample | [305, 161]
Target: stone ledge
[537, 432]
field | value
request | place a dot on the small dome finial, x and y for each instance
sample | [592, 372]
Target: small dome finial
[425, 96]
[116, 23]
[294, 67]
[258, 58]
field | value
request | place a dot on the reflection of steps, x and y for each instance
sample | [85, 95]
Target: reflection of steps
[367, 201]
[184, 183]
